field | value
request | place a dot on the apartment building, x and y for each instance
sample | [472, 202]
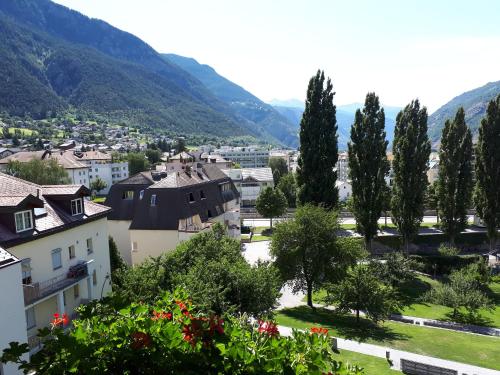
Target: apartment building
[101, 164]
[152, 212]
[77, 171]
[246, 157]
[250, 182]
[12, 322]
[61, 241]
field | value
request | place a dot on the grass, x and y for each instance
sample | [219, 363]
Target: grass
[477, 350]
[414, 289]
[24, 132]
[382, 226]
[258, 237]
[370, 364]
[99, 199]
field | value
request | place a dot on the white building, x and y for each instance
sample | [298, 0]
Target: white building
[100, 164]
[345, 190]
[77, 171]
[342, 167]
[250, 182]
[61, 240]
[246, 157]
[12, 316]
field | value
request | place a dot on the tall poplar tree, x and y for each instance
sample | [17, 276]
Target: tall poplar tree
[411, 149]
[454, 186]
[316, 175]
[487, 190]
[368, 167]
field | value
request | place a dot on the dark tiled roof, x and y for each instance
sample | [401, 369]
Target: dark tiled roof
[14, 191]
[65, 159]
[94, 155]
[172, 198]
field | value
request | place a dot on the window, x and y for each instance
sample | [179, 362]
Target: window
[76, 291]
[141, 194]
[56, 259]
[134, 246]
[202, 194]
[189, 221]
[76, 206]
[94, 277]
[129, 194]
[30, 318]
[26, 270]
[191, 197]
[24, 221]
[153, 200]
[71, 251]
[209, 213]
[90, 246]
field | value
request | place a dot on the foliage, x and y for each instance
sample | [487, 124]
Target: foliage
[180, 145]
[137, 162]
[442, 265]
[447, 250]
[411, 149]
[212, 269]
[173, 337]
[42, 172]
[316, 174]
[487, 152]
[463, 289]
[431, 198]
[154, 156]
[98, 184]
[288, 186]
[279, 169]
[115, 260]
[362, 290]
[368, 167]
[271, 203]
[306, 250]
[454, 186]
[395, 270]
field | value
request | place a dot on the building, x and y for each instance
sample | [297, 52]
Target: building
[246, 157]
[12, 322]
[216, 160]
[77, 171]
[342, 166]
[286, 155]
[101, 164]
[61, 240]
[250, 182]
[433, 171]
[153, 212]
[345, 190]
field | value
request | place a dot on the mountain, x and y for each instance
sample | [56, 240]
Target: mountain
[295, 103]
[345, 118]
[56, 58]
[474, 102]
[247, 106]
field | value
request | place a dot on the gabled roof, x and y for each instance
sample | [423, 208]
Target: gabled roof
[66, 159]
[6, 258]
[257, 174]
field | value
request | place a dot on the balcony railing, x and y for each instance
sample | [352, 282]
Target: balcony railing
[36, 291]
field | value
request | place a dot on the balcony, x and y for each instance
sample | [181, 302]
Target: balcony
[37, 291]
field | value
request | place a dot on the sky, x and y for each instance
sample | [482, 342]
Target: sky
[400, 49]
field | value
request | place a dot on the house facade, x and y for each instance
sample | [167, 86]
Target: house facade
[152, 212]
[246, 157]
[61, 241]
[250, 182]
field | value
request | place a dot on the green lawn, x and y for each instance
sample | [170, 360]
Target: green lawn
[99, 199]
[371, 365]
[456, 346]
[259, 229]
[413, 290]
[26, 132]
[382, 226]
[258, 237]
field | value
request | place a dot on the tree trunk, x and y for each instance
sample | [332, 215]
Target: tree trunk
[368, 244]
[271, 223]
[493, 243]
[385, 218]
[452, 240]
[406, 244]
[309, 296]
[357, 316]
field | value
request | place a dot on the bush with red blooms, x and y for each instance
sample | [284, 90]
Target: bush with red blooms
[172, 337]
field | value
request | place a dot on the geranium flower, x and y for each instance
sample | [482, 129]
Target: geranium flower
[140, 340]
[268, 328]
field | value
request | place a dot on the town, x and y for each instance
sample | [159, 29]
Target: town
[200, 230]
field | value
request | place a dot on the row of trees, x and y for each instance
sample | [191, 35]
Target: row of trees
[368, 165]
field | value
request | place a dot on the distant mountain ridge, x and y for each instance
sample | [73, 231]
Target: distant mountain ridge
[345, 119]
[56, 58]
[475, 103]
[246, 105]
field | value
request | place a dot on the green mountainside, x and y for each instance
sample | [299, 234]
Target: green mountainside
[474, 102]
[266, 119]
[56, 58]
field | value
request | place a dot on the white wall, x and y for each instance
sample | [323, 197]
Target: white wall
[153, 243]
[118, 229]
[12, 317]
[79, 176]
[109, 172]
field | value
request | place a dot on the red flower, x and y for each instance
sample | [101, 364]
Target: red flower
[268, 328]
[319, 331]
[216, 325]
[140, 340]
[60, 320]
[161, 315]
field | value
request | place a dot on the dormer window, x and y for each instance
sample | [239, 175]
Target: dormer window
[202, 194]
[24, 221]
[76, 207]
[129, 194]
[153, 200]
[191, 197]
[141, 194]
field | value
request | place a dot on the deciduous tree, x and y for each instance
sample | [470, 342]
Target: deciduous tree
[288, 187]
[271, 203]
[279, 168]
[42, 172]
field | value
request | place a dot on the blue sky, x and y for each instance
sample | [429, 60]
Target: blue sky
[433, 50]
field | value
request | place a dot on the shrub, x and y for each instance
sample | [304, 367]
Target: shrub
[171, 337]
[441, 265]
